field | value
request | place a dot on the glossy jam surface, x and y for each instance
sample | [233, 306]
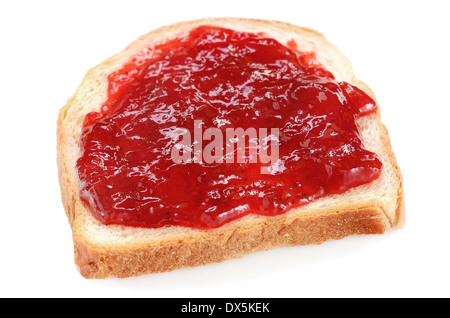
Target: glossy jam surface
[225, 79]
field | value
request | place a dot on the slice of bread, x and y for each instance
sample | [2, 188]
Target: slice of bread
[119, 251]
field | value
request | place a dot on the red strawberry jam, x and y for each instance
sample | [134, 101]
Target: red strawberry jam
[223, 79]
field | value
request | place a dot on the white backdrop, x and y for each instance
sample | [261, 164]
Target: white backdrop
[399, 48]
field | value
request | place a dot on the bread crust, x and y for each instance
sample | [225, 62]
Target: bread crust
[138, 251]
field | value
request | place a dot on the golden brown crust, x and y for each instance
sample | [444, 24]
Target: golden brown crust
[194, 248]
[311, 228]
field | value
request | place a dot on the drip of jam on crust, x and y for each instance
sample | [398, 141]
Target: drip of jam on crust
[225, 79]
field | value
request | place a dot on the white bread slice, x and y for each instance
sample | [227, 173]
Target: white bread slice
[119, 251]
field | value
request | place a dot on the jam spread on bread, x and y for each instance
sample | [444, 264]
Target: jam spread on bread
[222, 79]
